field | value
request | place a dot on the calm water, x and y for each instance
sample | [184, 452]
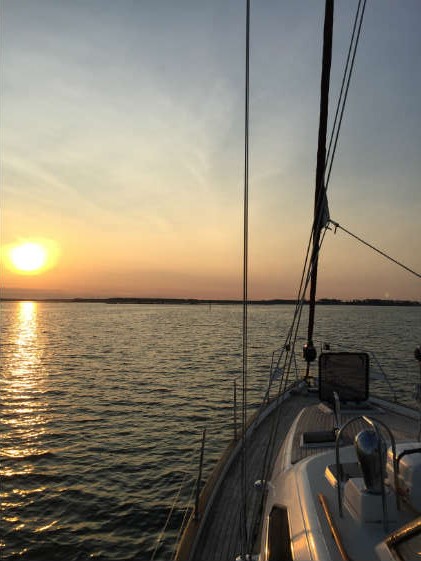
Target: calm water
[103, 407]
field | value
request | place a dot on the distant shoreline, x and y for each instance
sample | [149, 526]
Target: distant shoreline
[194, 301]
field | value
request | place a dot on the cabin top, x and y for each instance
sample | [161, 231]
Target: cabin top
[373, 511]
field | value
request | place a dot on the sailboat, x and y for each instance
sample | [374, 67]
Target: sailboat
[325, 470]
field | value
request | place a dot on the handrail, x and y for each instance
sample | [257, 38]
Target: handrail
[333, 528]
[372, 423]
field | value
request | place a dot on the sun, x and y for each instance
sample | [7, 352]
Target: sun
[31, 257]
[28, 257]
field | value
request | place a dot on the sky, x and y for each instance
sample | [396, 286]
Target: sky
[122, 147]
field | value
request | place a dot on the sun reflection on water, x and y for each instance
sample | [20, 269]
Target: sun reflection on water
[23, 381]
[26, 355]
[24, 415]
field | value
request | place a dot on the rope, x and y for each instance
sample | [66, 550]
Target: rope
[243, 516]
[336, 226]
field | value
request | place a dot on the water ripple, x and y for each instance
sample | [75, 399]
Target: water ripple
[103, 409]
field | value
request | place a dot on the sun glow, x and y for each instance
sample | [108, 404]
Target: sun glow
[30, 257]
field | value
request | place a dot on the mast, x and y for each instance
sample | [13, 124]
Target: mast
[320, 194]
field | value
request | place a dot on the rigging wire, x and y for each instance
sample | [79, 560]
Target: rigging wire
[346, 94]
[293, 333]
[174, 503]
[340, 107]
[184, 521]
[243, 515]
[336, 226]
[320, 190]
[343, 80]
[305, 278]
[283, 385]
[321, 208]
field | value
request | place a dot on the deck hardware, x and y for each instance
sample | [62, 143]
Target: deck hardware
[337, 411]
[309, 352]
[373, 423]
[371, 453]
[411, 529]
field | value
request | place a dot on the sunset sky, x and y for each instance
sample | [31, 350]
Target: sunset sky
[122, 147]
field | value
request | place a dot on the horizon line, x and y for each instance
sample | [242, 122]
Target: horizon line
[235, 301]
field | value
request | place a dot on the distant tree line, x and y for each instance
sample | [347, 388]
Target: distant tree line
[192, 301]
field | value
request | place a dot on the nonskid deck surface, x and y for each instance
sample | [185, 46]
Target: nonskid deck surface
[319, 417]
[220, 539]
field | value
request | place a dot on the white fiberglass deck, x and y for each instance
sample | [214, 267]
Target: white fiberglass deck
[219, 537]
